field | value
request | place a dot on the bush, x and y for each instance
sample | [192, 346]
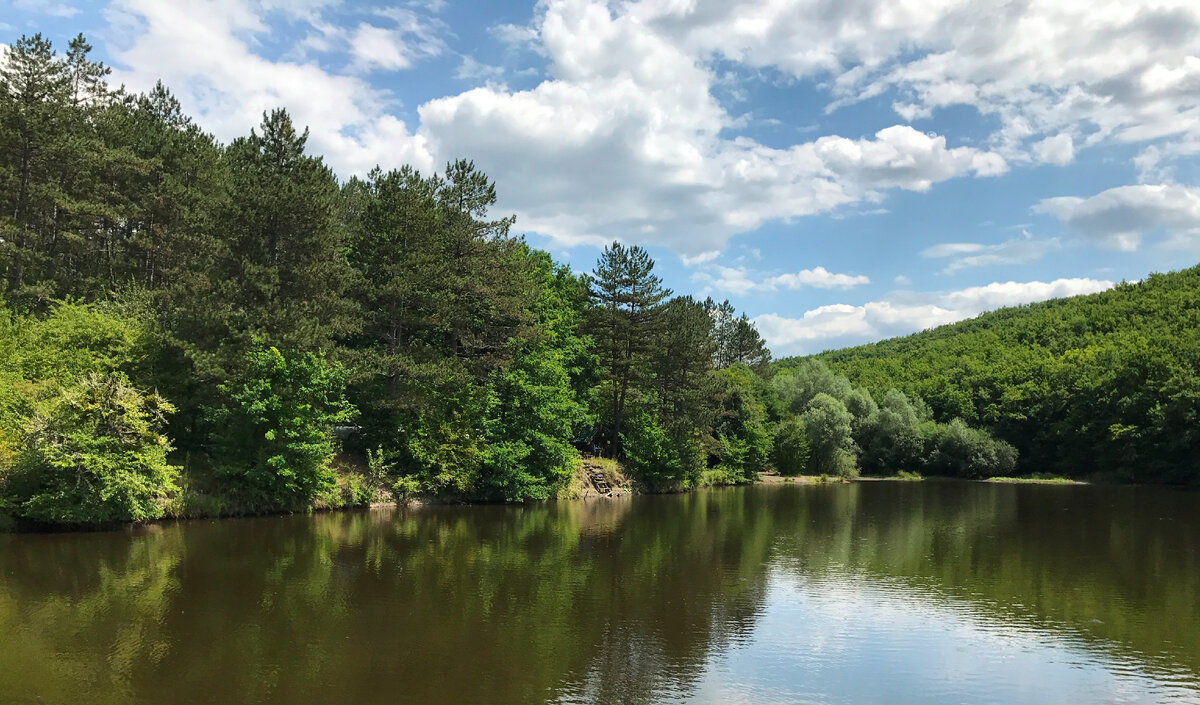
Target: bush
[357, 492]
[405, 488]
[93, 453]
[790, 452]
[274, 431]
[531, 415]
[958, 450]
[659, 460]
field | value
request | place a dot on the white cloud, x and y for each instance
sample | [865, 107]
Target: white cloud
[902, 280]
[1120, 217]
[47, 7]
[625, 138]
[1087, 69]
[625, 141]
[472, 69]
[818, 277]
[1058, 150]
[739, 280]
[202, 52]
[905, 312]
[378, 47]
[514, 35]
[734, 280]
[965, 255]
[702, 258]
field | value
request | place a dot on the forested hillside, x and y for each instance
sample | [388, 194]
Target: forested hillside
[1105, 385]
[195, 328]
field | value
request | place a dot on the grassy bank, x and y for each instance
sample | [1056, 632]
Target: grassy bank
[1036, 480]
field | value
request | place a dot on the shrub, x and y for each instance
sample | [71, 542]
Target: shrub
[405, 488]
[93, 453]
[957, 449]
[659, 460]
[357, 492]
[274, 430]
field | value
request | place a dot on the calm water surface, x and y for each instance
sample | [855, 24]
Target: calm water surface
[866, 593]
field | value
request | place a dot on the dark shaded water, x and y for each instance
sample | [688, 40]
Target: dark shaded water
[865, 593]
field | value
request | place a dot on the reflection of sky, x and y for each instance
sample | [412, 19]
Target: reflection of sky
[847, 640]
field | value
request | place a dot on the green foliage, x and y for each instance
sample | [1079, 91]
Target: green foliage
[957, 449]
[533, 404]
[92, 453]
[736, 339]
[273, 434]
[440, 444]
[626, 320]
[790, 454]
[895, 434]
[1101, 385]
[741, 426]
[357, 491]
[66, 406]
[474, 360]
[658, 460]
[828, 425]
[405, 488]
[893, 438]
[529, 455]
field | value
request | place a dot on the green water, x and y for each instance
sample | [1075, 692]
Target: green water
[865, 593]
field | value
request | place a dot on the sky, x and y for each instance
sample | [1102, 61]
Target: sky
[841, 170]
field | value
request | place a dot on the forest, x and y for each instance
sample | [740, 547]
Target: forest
[192, 328]
[1103, 387]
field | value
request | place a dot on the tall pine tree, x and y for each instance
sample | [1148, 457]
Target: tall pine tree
[625, 319]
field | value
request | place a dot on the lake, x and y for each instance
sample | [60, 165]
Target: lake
[873, 592]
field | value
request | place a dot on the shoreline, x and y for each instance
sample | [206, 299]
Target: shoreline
[574, 493]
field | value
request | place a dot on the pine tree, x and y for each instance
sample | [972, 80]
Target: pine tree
[34, 97]
[281, 271]
[625, 320]
[683, 365]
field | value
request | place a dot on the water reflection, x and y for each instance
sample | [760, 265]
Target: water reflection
[830, 594]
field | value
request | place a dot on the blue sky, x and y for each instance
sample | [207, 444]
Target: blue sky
[842, 170]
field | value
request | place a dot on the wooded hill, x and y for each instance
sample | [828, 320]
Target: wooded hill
[1102, 386]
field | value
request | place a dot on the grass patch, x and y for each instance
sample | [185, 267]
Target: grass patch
[575, 486]
[612, 471]
[716, 477]
[906, 475]
[1036, 479]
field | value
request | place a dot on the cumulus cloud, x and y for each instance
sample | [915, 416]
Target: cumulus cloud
[203, 52]
[818, 277]
[966, 255]
[702, 258]
[739, 280]
[378, 47]
[624, 139]
[1120, 217]
[1047, 69]
[1058, 150]
[902, 313]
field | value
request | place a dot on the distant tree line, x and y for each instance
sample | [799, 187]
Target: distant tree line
[197, 328]
[1104, 386]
